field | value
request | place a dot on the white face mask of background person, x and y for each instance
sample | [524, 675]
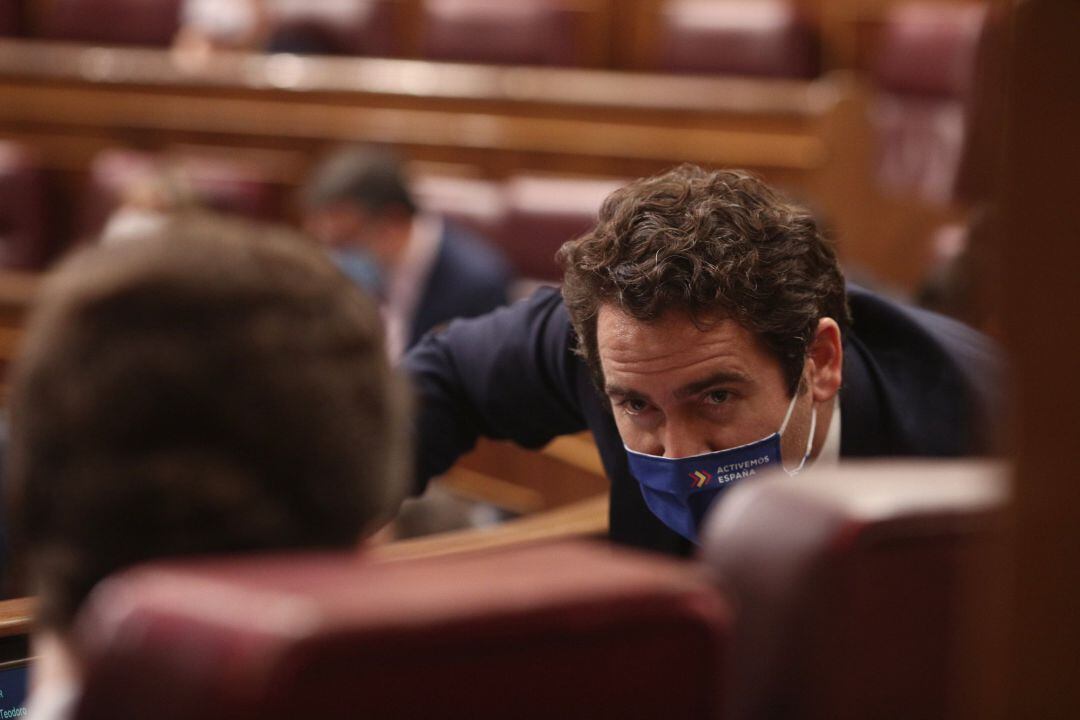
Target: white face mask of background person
[223, 20]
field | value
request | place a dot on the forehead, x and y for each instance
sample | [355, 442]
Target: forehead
[672, 350]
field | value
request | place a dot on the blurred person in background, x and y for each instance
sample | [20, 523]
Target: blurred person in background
[209, 389]
[207, 26]
[147, 204]
[424, 270]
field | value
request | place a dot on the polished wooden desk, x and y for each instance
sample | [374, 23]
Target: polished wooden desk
[282, 100]
[71, 101]
[15, 617]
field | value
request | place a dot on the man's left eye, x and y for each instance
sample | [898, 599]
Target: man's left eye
[717, 397]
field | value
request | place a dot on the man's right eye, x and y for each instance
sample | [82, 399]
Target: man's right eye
[634, 406]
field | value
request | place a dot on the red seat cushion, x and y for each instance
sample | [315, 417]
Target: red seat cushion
[545, 212]
[919, 145]
[522, 32]
[479, 205]
[112, 22]
[923, 72]
[551, 631]
[851, 586]
[23, 238]
[767, 38]
[10, 11]
[928, 49]
[215, 183]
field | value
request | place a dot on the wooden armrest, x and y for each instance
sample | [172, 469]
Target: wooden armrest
[587, 518]
[567, 471]
[576, 450]
[16, 616]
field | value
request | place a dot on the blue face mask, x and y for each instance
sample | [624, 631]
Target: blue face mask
[360, 267]
[679, 491]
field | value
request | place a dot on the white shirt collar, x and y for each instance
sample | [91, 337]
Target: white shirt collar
[409, 279]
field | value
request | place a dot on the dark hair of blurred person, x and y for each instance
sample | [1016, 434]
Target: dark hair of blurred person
[208, 389]
[425, 271]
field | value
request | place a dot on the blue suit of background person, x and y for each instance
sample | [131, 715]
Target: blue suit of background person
[914, 384]
[468, 278]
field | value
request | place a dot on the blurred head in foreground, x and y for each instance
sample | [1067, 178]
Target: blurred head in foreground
[212, 389]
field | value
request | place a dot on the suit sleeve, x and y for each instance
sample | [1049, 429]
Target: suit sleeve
[507, 375]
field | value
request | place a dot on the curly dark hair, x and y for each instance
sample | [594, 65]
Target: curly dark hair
[709, 243]
[213, 388]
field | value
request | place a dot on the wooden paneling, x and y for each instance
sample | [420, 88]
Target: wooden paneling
[1041, 253]
[809, 137]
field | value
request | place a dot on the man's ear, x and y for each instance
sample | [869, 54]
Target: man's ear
[826, 355]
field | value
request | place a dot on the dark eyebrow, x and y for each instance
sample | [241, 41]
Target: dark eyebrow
[729, 377]
[620, 391]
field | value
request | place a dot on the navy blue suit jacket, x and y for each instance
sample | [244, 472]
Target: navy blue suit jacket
[914, 384]
[467, 279]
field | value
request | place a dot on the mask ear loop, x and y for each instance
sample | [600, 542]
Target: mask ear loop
[809, 439]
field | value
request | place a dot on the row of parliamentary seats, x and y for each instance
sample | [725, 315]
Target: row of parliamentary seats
[920, 62]
[31, 235]
[849, 613]
[923, 72]
[752, 37]
[926, 101]
[527, 217]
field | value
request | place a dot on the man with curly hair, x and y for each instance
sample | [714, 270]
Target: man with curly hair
[704, 335]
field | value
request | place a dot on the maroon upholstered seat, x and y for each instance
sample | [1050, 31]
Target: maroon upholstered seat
[10, 17]
[112, 173]
[23, 237]
[545, 212]
[928, 48]
[478, 205]
[522, 32]
[214, 183]
[112, 22]
[766, 38]
[855, 590]
[923, 73]
[334, 27]
[549, 631]
[229, 186]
